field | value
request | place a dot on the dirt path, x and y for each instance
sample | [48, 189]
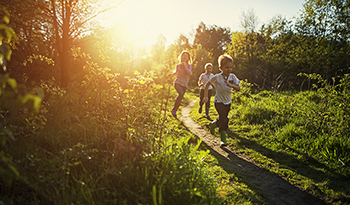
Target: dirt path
[275, 190]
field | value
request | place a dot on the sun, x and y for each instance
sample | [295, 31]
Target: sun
[144, 20]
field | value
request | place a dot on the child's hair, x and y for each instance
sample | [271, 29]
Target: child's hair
[208, 64]
[223, 59]
[188, 53]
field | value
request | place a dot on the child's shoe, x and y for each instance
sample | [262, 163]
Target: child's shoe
[200, 110]
[223, 138]
[207, 112]
[173, 112]
[212, 126]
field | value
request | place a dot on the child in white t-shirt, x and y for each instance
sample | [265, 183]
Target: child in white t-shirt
[224, 82]
[203, 79]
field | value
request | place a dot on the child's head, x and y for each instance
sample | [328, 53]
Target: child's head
[185, 57]
[208, 67]
[225, 64]
[224, 59]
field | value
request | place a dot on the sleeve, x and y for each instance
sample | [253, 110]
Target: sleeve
[213, 79]
[236, 80]
[200, 79]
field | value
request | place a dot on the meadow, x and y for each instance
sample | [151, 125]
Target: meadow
[118, 144]
[84, 110]
[302, 136]
[109, 145]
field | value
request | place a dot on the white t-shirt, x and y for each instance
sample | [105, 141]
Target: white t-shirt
[205, 78]
[223, 92]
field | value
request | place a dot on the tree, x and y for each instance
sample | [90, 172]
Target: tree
[68, 18]
[249, 21]
[214, 39]
[158, 49]
[248, 48]
[26, 21]
[51, 28]
[200, 57]
[283, 58]
[327, 23]
[325, 18]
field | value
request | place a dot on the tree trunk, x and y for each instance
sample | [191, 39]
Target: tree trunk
[64, 52]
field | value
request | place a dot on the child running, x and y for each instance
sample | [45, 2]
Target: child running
[224, 83]
[203, 79]
[183, 72]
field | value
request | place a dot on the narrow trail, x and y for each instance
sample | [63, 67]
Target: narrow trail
[274, 189]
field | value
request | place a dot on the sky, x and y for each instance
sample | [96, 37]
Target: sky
[147, 19]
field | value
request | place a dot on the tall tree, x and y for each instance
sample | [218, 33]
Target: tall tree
[158, 49]
[50, 27]
[200, 57]
[247, 48]
[325, 18]
[69, 19]
[249, 21]
[327, 22]
[28, 22]
[214, 39]
[282, 59]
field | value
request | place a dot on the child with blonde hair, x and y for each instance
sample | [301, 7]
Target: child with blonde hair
[225, 82]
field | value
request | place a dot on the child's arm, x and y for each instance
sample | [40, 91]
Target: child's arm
[188, 68]
[174, 73]
[236, 87]
[200, 83]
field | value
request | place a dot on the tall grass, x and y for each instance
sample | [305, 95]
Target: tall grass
[103, 142]
[310, 127]
[307, 121]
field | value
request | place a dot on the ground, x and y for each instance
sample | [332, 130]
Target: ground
[274, 189]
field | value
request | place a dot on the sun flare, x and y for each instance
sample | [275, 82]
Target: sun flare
[144, 20]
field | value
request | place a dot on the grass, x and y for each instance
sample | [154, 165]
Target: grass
[275, 131]
[231, 186]
[74, 159]
[121, 149]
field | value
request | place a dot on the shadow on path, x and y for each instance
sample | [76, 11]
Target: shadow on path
[305, 166]
[273, 188]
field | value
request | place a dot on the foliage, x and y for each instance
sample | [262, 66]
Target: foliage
[177, 174]
[301, 136]
[201, 57]
[248, 50]
[213, 39]
[26, 21]
[7, 36]
[106, 138]
[106, 145]
[309, 127]
[15, 103]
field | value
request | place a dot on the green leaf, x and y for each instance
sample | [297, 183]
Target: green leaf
[6, 19]
[12, 82]
[32, 101]
[6, 51]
